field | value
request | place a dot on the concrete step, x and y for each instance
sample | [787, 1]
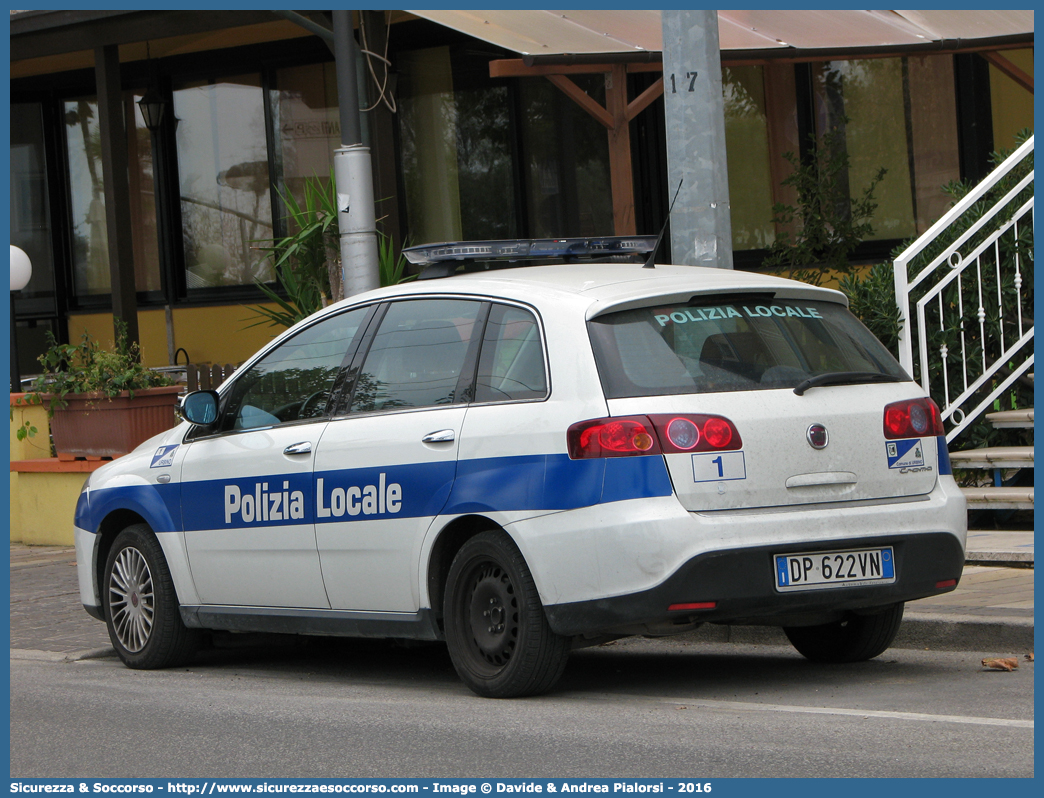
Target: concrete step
[1011, 419]
[994, 457]
[1000, 548]
[999, 498]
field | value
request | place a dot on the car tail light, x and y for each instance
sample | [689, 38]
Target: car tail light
[655, 434]
[612, 437]
[679, 434]
[912, 418]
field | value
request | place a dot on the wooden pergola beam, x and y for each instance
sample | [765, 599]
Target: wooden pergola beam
[583, 99]
[615, 117]
[645, 99]
[516, 68]
[1009, 69]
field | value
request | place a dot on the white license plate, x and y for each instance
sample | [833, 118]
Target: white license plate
[821, 569]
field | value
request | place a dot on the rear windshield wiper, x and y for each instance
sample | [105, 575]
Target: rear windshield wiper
[844, 378]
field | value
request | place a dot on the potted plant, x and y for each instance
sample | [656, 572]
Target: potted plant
[103, 402]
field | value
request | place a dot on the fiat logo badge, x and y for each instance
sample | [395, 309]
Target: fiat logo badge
[817, 436]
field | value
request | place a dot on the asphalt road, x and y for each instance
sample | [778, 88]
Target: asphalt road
[631, 709]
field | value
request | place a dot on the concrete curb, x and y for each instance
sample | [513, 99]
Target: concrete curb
[920, 630]
[61, 656]
[1001, 559]
[965, 633]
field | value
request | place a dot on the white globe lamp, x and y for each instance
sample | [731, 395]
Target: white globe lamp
[21, 269]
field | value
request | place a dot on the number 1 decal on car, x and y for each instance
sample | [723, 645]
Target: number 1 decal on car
[718, 467]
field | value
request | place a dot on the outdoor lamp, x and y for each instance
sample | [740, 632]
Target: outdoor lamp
[152, 106]
[21, 274]
[21, 269]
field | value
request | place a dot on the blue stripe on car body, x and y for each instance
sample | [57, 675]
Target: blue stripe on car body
[944, 456]
[497, 484]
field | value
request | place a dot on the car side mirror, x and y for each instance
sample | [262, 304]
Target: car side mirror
[200, 407]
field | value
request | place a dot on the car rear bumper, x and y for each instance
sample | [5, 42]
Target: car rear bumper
[741, 585]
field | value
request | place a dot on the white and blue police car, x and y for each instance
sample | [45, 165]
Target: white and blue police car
[523, 461]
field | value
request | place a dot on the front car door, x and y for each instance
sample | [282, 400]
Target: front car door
[247, 492]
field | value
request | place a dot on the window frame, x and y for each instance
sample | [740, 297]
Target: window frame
[227, 389]
[465, 382]
[543, 351]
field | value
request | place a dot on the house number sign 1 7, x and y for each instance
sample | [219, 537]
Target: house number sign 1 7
[689, 76]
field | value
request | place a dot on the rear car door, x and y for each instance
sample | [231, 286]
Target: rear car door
[386, 462]
[247, 490]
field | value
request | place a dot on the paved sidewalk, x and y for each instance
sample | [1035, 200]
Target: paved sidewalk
[991, 611]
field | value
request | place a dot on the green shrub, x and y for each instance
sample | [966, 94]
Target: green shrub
[87, 368]
[830, 223]
[872, 299]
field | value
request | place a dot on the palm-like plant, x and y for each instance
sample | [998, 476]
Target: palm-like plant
[307, 262]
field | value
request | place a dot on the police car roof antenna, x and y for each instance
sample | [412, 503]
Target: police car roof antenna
[651, 263]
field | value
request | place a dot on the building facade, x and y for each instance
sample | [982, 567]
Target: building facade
[462, 149]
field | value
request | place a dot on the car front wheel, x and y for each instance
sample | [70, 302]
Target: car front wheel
[496, 630]
[141, 605]
[853, 639]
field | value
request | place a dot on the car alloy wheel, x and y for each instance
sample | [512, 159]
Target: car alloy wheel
[131, 599]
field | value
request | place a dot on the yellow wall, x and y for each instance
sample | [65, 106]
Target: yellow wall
[38, 446]
[1012, 104]
[217, 334]
[43, 506]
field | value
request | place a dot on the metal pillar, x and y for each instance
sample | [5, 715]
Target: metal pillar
[353, 172]
[701, 225]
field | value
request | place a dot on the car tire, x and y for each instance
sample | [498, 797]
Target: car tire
[853, 639]
[141, 605]
[498, 636]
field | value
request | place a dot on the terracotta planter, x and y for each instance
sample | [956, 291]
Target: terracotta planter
[93, 424]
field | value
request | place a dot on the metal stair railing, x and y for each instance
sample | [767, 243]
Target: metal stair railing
[971, 273]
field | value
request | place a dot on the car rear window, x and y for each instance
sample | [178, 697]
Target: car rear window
[732, 345]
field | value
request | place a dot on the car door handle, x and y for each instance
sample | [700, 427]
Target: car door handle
[298, 448]
[442, 436]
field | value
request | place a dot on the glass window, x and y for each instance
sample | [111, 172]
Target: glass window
[456, 147]
[747, 144]
[933, 135]
[30, 213]
[566, 161]
[143, 198]
[294, 381]
[511, 366]
[307, 123]
[86, 197]
[428, 120]
[1011, 104]
[226, 206]
[417, 357]
[869, 94]
[732, 346]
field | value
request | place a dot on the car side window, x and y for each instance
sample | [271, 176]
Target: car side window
[511, 366]
[294, 381]
[417, 356]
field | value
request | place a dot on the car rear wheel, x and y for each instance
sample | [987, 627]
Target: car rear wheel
[496, 630]
[853, 639]
[141, 605]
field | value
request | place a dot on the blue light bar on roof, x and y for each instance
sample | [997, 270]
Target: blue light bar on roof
[531, 249]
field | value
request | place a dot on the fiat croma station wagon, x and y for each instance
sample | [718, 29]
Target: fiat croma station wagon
[523, 461]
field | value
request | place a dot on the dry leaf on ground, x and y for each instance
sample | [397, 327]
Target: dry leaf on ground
[1001, 663]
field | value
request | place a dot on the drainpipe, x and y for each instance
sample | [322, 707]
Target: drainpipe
[353, 173]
